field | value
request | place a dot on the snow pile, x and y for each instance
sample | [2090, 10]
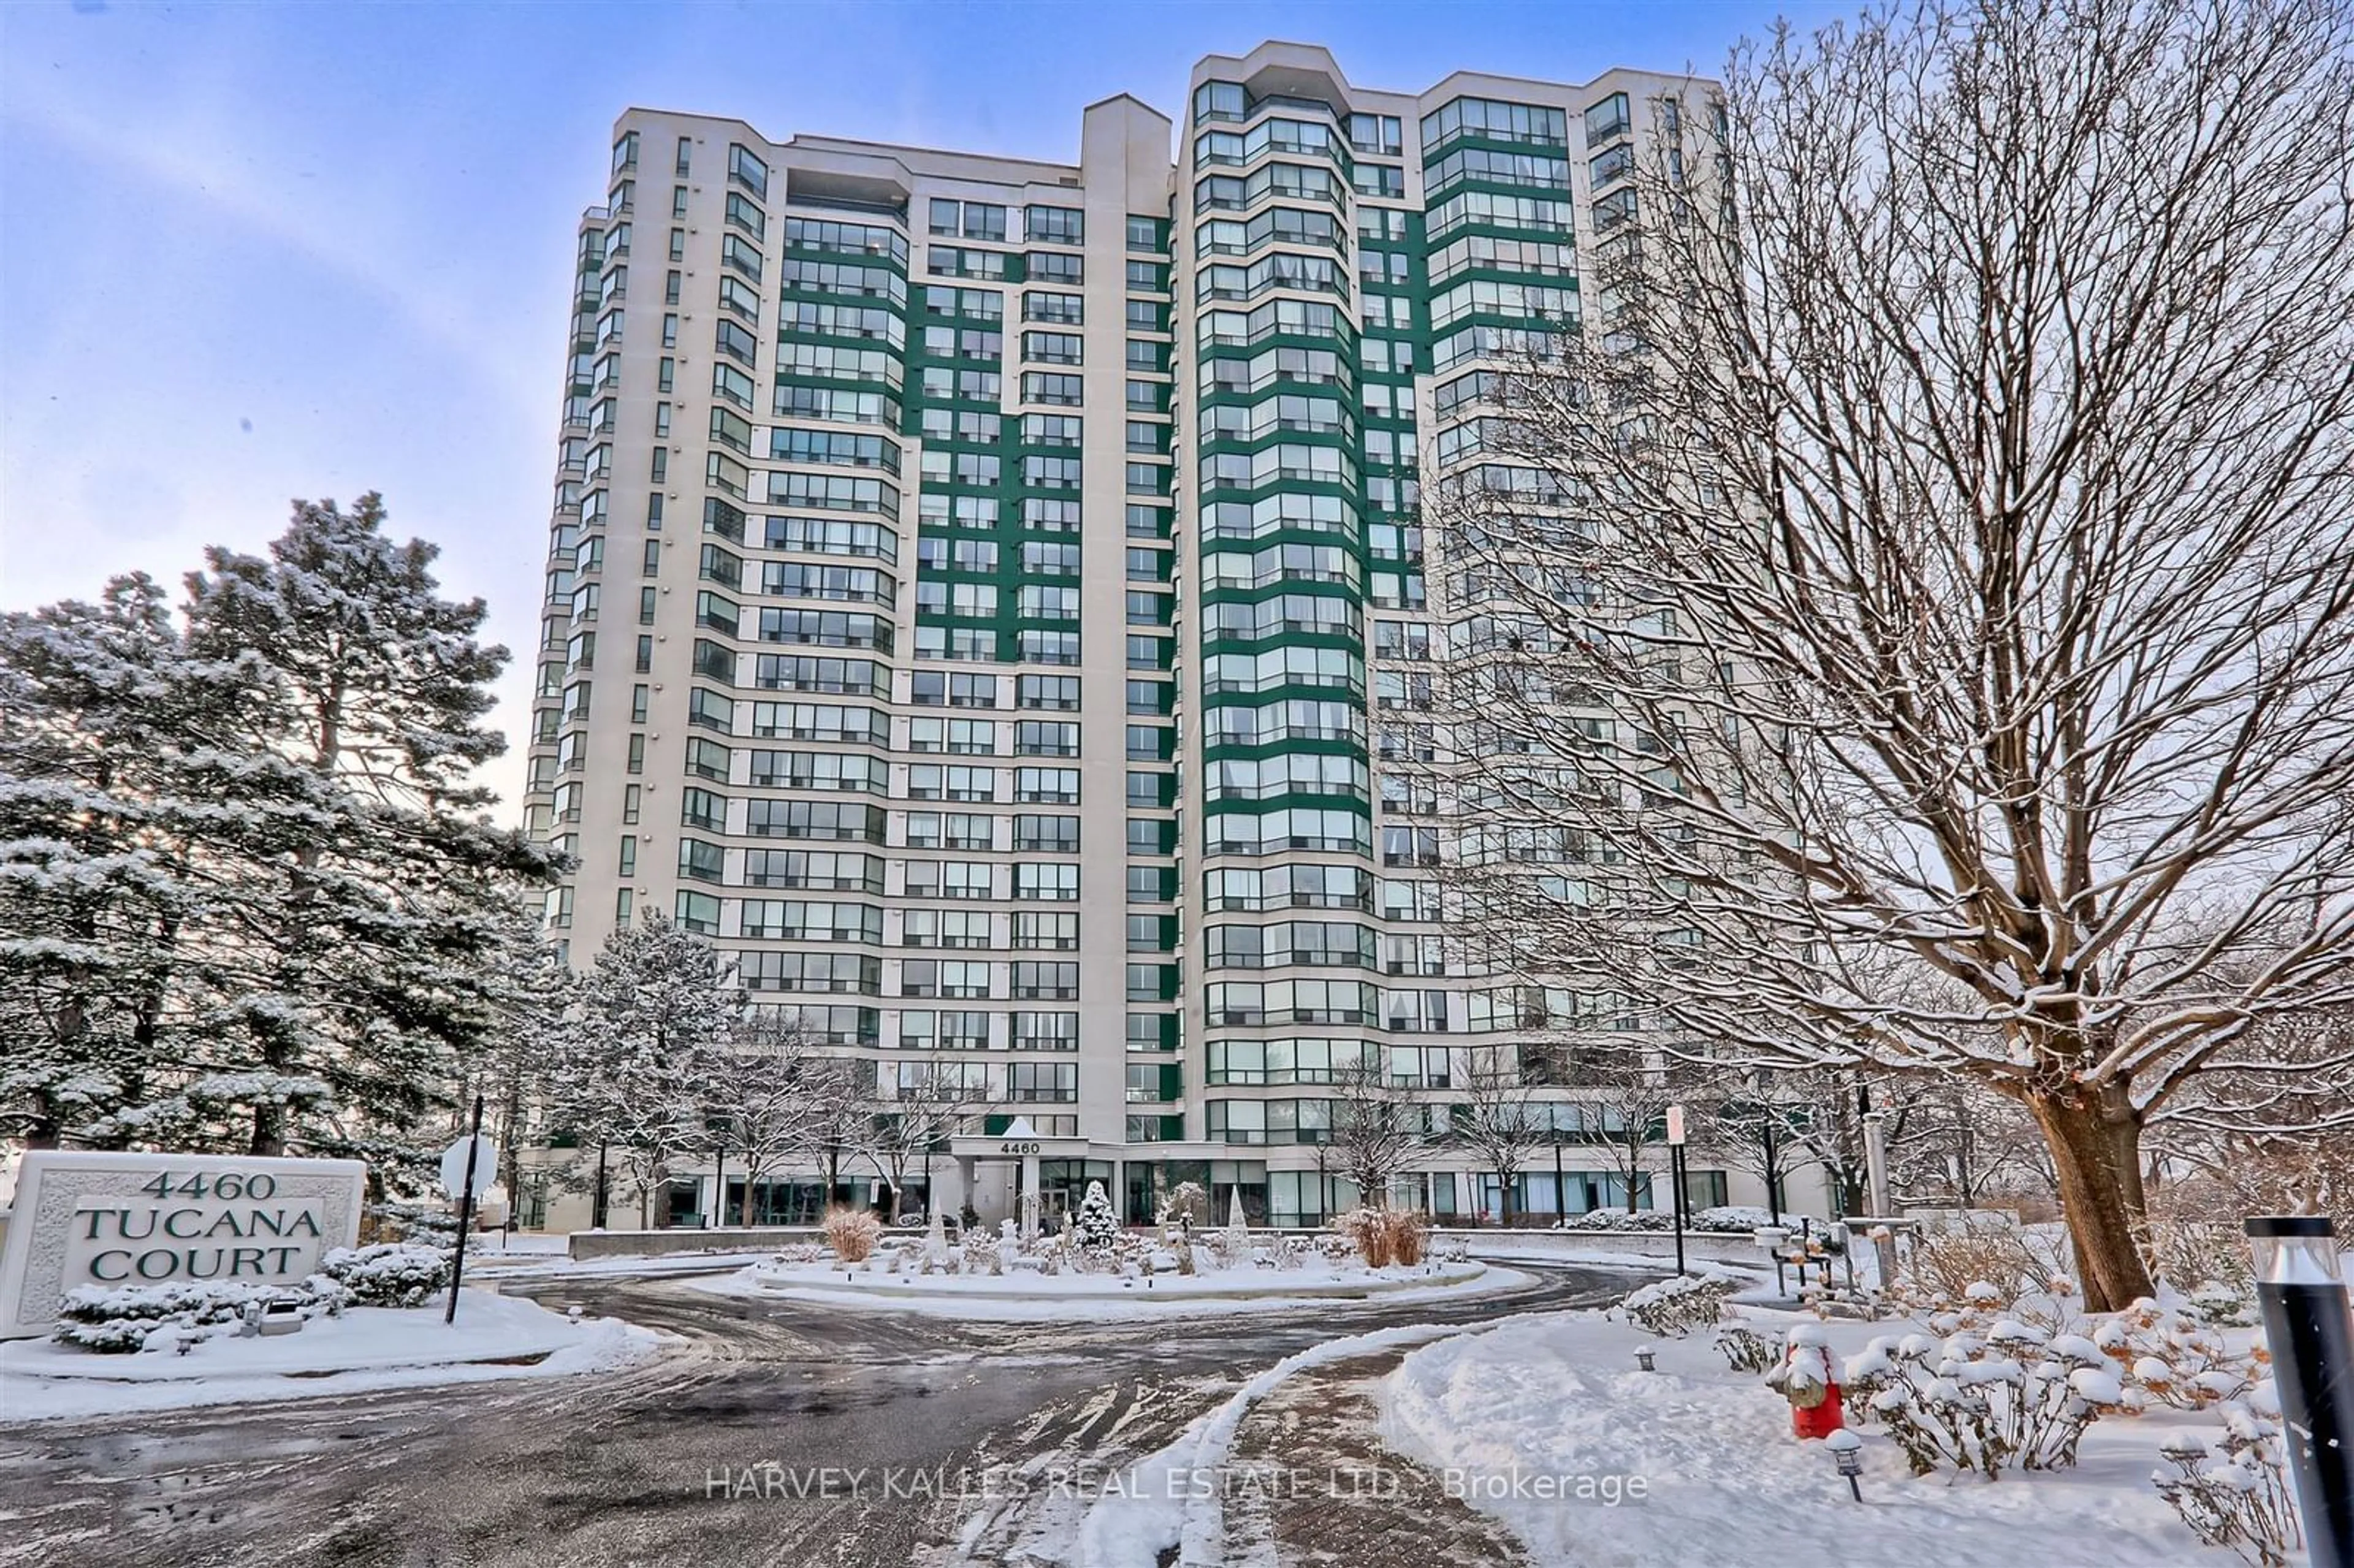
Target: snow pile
[367, 1348]
[1705, 1470]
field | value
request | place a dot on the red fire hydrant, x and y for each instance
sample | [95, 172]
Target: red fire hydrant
[1808, 1384]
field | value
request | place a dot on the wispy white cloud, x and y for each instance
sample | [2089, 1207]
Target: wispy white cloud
[179, 160]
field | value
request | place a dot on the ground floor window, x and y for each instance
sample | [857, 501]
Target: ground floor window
[1149, 1182]
[1552, 1194]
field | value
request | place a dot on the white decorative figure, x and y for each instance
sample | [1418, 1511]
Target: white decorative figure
[1009, 1246]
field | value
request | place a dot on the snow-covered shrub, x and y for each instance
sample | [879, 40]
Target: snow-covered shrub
[117, 1320]
[2194, 1254]
[1748, 1351]
[1368, 1230]
[2013, 1395]
[1095, 1226]
[2223, 1305]
[390, 1274]
[1185, 1201]
[2236, 1494]
[1742, 1218]
[2176, 1358]
[800, 1252]
[852, 1232]
[1409, 1234]
[978, 1250]
[2010, 1261]
[1675, 1307]
[400, 1220]
[1617, 1220]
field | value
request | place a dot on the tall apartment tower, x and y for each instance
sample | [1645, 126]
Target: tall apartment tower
[986, 598]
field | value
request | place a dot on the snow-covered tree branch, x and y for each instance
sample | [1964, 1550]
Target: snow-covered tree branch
[1911, 625]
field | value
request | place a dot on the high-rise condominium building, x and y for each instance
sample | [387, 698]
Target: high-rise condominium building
[986, 598]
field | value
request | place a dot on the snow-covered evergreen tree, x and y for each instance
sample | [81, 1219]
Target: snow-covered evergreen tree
[110, 737]
[535, 996]
[1095, 1226]
[358, 952]
[655, 1007]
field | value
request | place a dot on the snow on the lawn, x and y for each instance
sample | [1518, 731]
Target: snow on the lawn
[1516, 1416]
[367, 1348]
[1030, 1297]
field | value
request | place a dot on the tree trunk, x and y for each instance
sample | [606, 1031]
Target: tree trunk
[2092, 1198]
[269, 1131]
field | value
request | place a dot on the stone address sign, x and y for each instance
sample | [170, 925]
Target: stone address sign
[84, 1218]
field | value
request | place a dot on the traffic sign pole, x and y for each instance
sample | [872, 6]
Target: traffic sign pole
[465, 1209]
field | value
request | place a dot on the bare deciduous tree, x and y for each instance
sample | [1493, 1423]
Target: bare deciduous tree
[940, 1101]
[1501, 1118]
[840, 1126]
[1943, 532]
[757, 1100]
[1377, 1129]
[1627, 1096]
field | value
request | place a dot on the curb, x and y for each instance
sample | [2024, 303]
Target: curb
[1316, 1293]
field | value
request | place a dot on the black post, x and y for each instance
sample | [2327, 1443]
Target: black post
[596, 1209]
[465, 1211]
[2307, 1326]
[1676, 1180]
[1772, 1171]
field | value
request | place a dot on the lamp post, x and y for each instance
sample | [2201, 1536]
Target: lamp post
[2311, 1334]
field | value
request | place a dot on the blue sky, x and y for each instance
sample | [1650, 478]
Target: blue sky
[254, 251]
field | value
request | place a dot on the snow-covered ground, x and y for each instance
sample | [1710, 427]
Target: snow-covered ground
[1168, 1500]
[556, 1264]
[1543, 1419]
[367, 1348]
[1029, 1296]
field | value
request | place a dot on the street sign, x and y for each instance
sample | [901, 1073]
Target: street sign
[1675, 1126]
[453, 1166]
